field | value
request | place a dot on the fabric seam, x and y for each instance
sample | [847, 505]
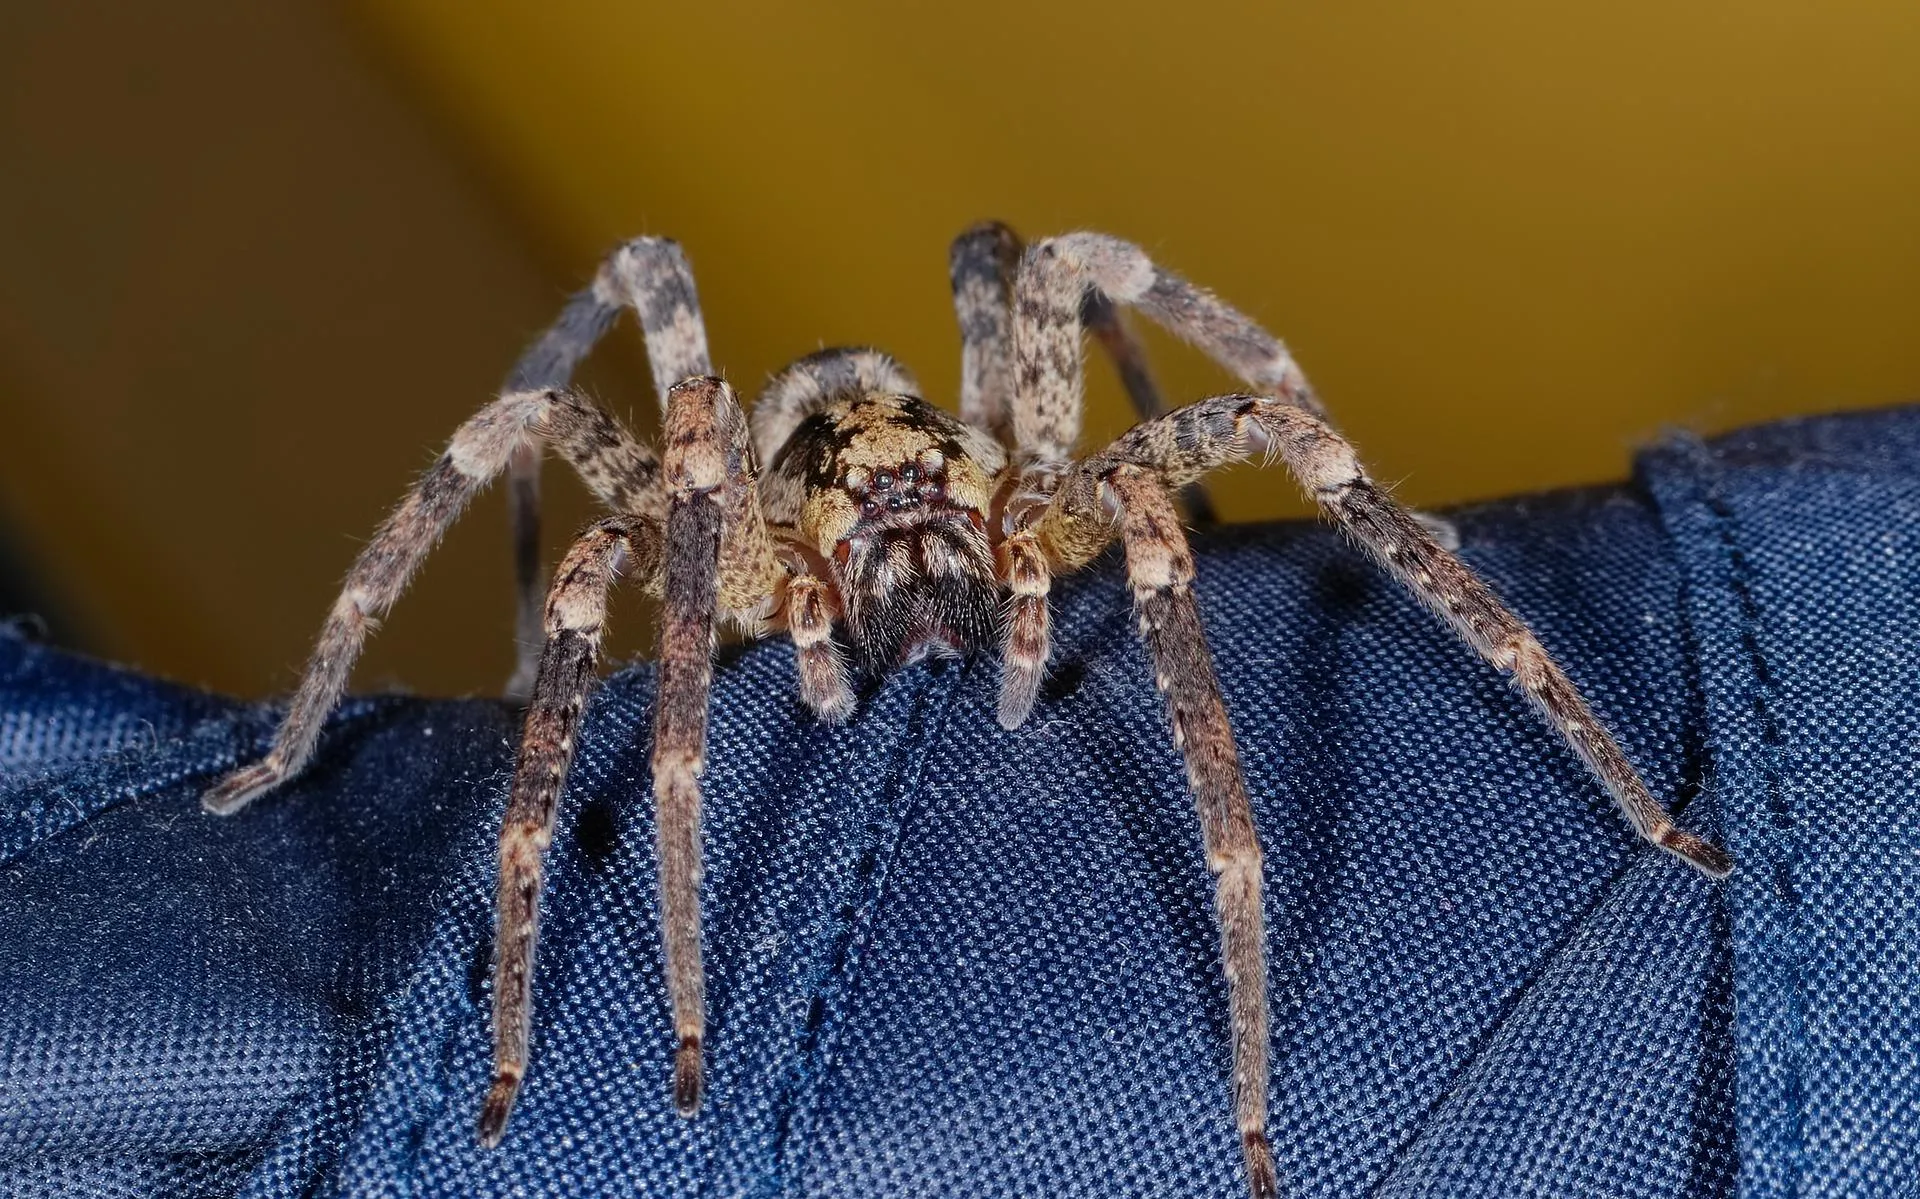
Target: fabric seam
[1761, 696]
[1635, 858]
[842, 976]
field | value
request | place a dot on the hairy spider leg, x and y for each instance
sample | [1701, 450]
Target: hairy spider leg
[826, 684]
[981, 263]
[1023, 654]
[1160, 573]
[1049, 291]
[620, 471]
[576, 614]
[651, 275]
[1223, 429]
[709, 477]
[1288, 420]
[707, 465]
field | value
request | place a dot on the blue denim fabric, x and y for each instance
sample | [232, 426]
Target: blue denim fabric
[946, 959]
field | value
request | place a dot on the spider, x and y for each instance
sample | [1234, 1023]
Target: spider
[881, 530]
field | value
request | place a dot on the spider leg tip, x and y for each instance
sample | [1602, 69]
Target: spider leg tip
[1704, 856]
[1017, 696]
[240, 788]
[492, 1126]
[835, 710]
[1262, 1180]
[687, 1080]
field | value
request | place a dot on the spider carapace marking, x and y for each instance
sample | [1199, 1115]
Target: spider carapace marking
[895, 499]
[888, 529]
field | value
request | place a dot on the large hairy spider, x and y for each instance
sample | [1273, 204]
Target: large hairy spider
[880, 530]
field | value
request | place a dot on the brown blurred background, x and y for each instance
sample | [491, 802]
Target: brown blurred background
[257, 260]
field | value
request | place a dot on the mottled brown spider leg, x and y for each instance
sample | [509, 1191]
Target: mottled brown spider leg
[1049, 291]
[1160, 572]
[1023, 659]
[708, 467]
[548, 363]
[650, 274]
[576, 613]
[1224, 429]
[982, 263]
[1326, 466]
[618, 469]
[1108, 325]
[825, 684]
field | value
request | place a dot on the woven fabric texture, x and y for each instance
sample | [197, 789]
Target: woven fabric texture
[947, 959]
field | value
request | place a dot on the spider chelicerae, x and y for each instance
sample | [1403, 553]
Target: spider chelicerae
[878, 529]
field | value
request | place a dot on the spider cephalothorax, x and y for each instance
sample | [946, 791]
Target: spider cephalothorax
[888, 529]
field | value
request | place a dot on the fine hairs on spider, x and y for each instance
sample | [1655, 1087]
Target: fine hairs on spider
[876, 529]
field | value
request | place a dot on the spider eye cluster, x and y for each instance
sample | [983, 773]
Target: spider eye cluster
[903, 488]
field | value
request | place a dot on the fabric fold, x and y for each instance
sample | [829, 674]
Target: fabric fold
[1801, 546]
[946, 958]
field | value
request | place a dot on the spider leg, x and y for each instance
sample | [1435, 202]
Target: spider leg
[825, 684]
[1288, 418]
[1160, 572]
[1049, 291]
[708, 468]
[1023, 659]
[982, 263]
[576, 613]
[652, 276]
[1224, 429]
[1326, 466]
[707, 465]
[620, 471]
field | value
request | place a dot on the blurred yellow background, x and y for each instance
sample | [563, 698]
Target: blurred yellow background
[259, 260]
